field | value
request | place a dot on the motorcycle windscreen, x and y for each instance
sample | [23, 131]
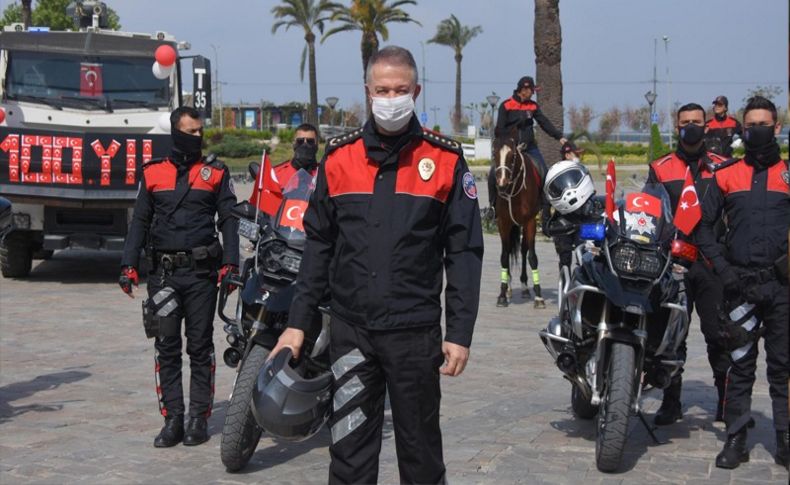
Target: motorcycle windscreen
[646, 217]
[288, 221]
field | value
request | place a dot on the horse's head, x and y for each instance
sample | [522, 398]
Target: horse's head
[507, 161]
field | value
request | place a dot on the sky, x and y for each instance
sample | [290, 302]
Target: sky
[714, 47]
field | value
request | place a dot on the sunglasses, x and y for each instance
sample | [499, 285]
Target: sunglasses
[302, 141]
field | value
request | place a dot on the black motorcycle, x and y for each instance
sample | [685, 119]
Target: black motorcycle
[622, 315]
[266, 284]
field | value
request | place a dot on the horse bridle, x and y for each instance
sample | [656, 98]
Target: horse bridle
[512, 188]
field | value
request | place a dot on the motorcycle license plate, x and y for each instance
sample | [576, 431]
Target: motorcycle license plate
[248, 229]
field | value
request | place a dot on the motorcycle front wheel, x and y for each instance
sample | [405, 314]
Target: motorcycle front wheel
[241, 433]
[615, 410]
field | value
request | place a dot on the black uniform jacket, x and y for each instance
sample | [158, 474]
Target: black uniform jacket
[382, 224]
[757, 206]
[522, 114]
[720, 133]
[176, 207]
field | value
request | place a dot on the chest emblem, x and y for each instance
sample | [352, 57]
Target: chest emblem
[205, 173]
[426, 167]
[786, 177]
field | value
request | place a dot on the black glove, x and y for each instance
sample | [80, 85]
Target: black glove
[128, 278]
[754, 294]
[733, 336]
[731, 282]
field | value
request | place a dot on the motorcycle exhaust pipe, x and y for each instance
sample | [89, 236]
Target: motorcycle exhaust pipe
[566, 362]
[232, 357]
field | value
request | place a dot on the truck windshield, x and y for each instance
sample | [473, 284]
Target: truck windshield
[85, 82]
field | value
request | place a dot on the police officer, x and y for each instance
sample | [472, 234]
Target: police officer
[395, 206]
[305, 148]
[753, 195]
[519, 113]
[703, 288]
[175, 214]
[720, 131]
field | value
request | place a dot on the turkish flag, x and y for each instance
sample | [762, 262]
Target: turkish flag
[611, 185]
[266, 189]
[91, 80]
[641, 202]
[688, 212]
[293, 213]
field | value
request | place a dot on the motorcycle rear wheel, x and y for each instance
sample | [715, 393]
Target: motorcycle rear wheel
[241, 433]
[615, 410]
[581, 406]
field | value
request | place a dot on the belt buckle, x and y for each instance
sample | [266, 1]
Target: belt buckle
[167, 262]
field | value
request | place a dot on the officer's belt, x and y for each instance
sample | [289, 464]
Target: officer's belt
[187, 258]
[761, 275]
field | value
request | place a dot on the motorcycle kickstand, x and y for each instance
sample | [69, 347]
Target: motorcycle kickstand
[649, 429]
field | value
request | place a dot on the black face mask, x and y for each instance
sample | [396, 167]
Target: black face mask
[304, 156]
[186, 145]
[691, 134]
[762, 151]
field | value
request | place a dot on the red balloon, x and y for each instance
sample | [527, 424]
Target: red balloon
[165, 55]
[2, 115]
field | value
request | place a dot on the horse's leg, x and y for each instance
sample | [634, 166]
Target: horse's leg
[504, 235]
[533, 263]
[524, 285]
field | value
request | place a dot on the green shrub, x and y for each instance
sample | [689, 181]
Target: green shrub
[659, 148]
[286, 135]
[218, 135]
[236, 147]
[437, 128]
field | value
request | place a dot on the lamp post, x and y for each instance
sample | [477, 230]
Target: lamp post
[219, 88]
[669, 91]
[435, 110]
[650, 96]
[331, 101]
[492, 99]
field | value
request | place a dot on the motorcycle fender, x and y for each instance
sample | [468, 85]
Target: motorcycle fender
[266, 338]
[280, 301]
[250, 291]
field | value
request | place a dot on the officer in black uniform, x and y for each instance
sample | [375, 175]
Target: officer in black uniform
[174, 214]
[395, 207]
[754, 195]
[703, 287]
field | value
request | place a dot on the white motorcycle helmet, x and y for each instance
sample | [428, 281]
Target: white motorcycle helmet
[568, 186]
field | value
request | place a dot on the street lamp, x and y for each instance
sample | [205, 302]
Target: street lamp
[219, 87]
[331, 101]
[492, 99]
[651, 96]
[669, 91]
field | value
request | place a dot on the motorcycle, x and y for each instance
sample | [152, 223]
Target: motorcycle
[622, 314]
[266, 284]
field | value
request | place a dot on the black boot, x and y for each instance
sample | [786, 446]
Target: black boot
[670, 410]
[197, 432]
[734, 452]
[172, 432]
[782, 456]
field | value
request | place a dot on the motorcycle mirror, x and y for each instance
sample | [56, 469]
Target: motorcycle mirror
[244, 209]
[254, 168]
[684, 250]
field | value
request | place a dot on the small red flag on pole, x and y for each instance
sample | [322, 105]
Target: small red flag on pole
[611, 185]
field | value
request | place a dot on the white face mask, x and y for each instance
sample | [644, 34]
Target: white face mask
[392, 114]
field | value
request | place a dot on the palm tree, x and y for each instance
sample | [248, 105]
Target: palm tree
[371, 17]
[451, 33]
[307, 14]
[548, 54]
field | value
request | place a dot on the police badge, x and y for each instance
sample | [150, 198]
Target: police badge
[205, 173]
[426, 167]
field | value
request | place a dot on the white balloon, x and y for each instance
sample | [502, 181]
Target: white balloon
[160, 71]
[164, 122]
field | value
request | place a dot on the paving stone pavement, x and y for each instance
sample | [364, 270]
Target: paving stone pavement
[77, 401]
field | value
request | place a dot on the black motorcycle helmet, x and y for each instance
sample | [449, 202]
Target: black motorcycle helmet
[287, 404]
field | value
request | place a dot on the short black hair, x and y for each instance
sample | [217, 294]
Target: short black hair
[182, 111]
[307, 127]
[759, 102]
[691, 107]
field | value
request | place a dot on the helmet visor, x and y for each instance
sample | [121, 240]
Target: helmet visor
[566, 180]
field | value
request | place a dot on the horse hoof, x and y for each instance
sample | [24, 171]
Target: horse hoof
[540, 302]
[501, 301]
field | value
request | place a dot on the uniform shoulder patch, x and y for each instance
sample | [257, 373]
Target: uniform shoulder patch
[154, 161]
[717, 166]
[715, 157]
[345, 139]
[440, 140]
[663, 159]
[212, 161]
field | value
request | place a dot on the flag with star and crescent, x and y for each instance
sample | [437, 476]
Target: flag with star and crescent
[688, 212]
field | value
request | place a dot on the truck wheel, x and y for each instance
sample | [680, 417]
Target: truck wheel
[16, 257]
[615, 410]
[241, 433]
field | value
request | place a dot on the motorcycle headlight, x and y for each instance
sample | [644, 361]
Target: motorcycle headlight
[629, 259]
[276, 257]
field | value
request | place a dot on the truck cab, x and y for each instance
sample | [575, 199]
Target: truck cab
[80, 113]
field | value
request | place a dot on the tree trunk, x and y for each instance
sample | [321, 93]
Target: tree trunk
[457, 111]
[370, 45]
[26, 12]
[548, 57]
[312, 115]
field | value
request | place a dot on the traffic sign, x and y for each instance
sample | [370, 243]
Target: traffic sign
[423, 117]
[654, 117]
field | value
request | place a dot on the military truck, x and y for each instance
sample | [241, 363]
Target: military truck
[80, 112]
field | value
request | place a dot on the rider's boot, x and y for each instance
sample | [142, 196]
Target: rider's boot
[670, 410]
[782, 456]
[197, 432]
[172, 432]
[734, 452]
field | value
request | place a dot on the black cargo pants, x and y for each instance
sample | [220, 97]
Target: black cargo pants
[366, 363]
[196, 290]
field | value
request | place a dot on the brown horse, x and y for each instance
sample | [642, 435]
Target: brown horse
[517, 204]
